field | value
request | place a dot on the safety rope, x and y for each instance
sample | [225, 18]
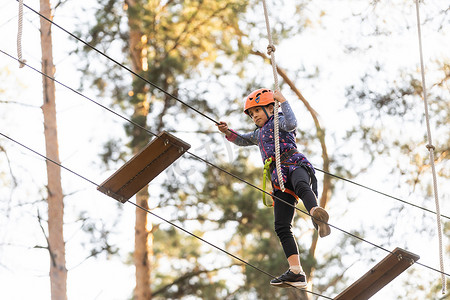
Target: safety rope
[19, 35]
[271, 52]
[431, 149]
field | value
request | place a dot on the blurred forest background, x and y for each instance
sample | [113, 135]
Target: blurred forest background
[350, 70]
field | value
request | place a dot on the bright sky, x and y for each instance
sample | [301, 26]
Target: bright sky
[24, 270]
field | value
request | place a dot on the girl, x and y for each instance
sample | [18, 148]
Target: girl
[297, 172]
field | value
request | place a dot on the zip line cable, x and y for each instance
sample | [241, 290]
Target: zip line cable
[431, 149]
[122, 66]
[381, 193]
[92, 182]
[157, 216]
[184, 103]
[156, 136]
[145, 129]
[192, 154]
[210, 164]
[201, 159]
[220, 249]
[195, 156]
[165, 92]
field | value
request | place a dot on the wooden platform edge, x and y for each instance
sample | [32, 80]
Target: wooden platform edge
[379, 276]
[118, 186]
[111, 194]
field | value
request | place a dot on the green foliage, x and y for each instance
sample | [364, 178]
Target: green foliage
[180, 42]
[398, 106]
[177, 37]
[112, 152]
[392, 131]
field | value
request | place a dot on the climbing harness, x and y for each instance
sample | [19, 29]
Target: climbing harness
[269, 167]
[266, 175]
[271, 52]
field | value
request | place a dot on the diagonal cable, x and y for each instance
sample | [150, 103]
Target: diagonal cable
[380, 192]
[207, 162]
[201, 113]
[122, 65]
[219, 168]
[211, 164]
[184, 103]
[155, 215]
[92, 182]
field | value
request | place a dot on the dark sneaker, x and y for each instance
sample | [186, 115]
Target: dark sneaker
[290, 279]
[320, 218]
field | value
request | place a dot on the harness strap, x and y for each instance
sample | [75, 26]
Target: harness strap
[289, 191]
[269, 166]
[283, 157]
[266, 175]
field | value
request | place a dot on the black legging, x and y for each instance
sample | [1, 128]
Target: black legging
[300, 183]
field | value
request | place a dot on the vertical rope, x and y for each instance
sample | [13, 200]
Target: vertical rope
[19, 35]
[271, 52]
[431, 149]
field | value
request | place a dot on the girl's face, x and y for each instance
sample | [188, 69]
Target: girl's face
[258, 115]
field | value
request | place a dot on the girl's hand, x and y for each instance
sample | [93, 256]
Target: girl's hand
[223, 127]
[277, 95]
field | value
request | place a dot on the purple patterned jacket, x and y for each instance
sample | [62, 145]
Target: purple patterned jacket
[263, 138]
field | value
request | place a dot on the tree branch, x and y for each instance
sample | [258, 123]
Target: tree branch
[185, 33]
[18, 103]
[52, 256]
[188, 276]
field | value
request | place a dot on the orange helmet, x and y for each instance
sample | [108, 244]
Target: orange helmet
[261, 97]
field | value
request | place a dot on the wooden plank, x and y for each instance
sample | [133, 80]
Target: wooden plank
[379, 276]
[142, 168]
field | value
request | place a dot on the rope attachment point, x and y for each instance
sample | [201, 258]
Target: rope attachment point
[430, 147]
[271, 49]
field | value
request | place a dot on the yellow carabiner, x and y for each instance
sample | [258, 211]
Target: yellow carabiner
[266, 175]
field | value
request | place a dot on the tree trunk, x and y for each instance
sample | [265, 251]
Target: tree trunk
[142, 248]
[143, 237]
[56, 247]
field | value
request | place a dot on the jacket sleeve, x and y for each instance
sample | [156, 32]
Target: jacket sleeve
[246, 139]
[287, 121]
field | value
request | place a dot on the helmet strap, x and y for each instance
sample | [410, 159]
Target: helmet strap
[265, 111]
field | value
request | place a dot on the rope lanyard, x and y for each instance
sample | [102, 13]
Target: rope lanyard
[19, 35]
[271, 52]
[266, 176]
[431, 149]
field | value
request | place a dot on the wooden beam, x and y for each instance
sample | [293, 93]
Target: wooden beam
[142, 168]
[384, 272]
